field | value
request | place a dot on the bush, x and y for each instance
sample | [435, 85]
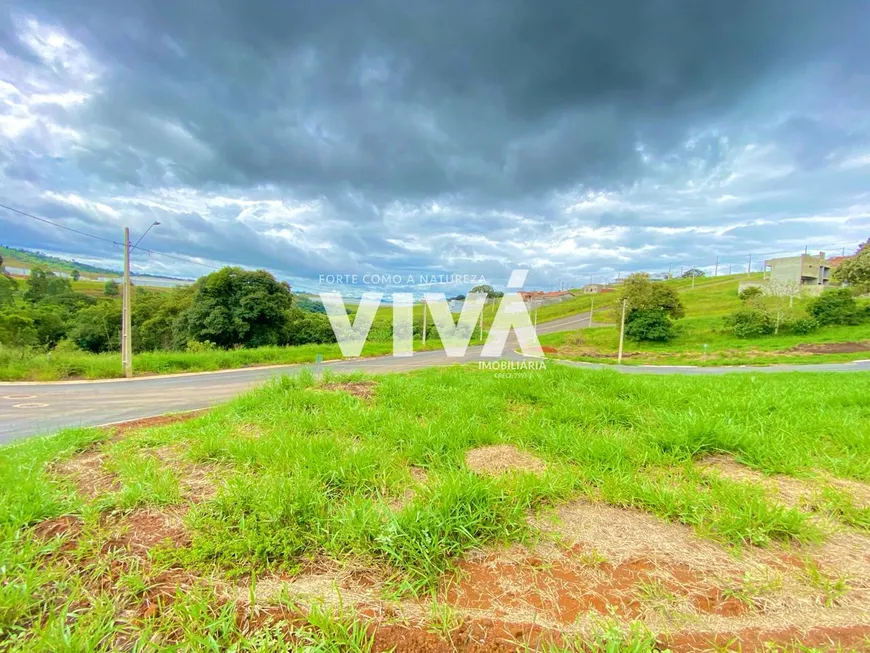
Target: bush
[650, 324]
[835, 307]
[750, 293]
[803, 325]
[197, 347]
[751, 322]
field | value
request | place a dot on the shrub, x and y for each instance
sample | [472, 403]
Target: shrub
[835, 307]
[650, 324]
[803, 325]
[750, 293]
[751, 322]
[197, 347]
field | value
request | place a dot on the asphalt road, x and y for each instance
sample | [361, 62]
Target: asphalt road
[33, 408]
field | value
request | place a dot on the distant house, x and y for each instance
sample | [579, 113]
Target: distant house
[803, 270]
[541, 298]
[836, 260]
[592, 288]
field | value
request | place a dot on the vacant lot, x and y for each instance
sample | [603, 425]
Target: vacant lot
[705, 341]
[452, 510]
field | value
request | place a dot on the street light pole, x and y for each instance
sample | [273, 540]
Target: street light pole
[622, 332]
[126, 305]
[126, 362]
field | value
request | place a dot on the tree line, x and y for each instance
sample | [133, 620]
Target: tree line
[228, 308]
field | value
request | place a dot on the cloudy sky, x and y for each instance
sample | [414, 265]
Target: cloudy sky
[449, 137]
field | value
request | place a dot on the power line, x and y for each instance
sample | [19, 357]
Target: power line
[107, 240]
[59, 226]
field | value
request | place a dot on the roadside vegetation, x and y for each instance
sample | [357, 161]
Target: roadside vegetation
[559, 510]
[228, 319]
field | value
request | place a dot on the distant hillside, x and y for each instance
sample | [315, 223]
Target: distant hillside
[21, 258]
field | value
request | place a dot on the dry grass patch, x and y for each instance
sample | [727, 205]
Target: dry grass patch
[143, 529]
[670, 577]
[793, 492]
[501, 459]
[324, 582]
[361, 389]
[419, 477]
[87, 473]
[196, 480]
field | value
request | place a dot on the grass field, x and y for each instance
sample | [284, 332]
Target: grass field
[555, 510]
[706, 306]
[25, 365]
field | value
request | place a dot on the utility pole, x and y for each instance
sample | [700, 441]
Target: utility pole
[693, 277]
[126, 304]
[591, 309]
[749, 267]
[621, 332]
[126, 350]
[482, 311]
[669, 271]
[729, 269]
[716, 269]
[423, 305]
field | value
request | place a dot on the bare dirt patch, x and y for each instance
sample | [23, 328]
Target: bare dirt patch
[142, 529]
[580, 351]
[831, 347]
[669, 577]
[794, 492]
[502, 458]
[362, 389]
[196, 480]
[87, 473]
[68, 527]
[149, 422]
[324, 582]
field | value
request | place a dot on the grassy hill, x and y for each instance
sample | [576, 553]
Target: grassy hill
[702, 337]
[21, 258]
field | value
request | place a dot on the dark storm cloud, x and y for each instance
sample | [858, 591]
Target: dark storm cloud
[440, 134]
[420, 98]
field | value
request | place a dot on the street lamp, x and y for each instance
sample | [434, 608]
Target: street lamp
[126, 322]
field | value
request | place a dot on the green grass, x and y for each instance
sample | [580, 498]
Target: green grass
[29, 365]
[706, 306]
[600, 344]
[322, 476]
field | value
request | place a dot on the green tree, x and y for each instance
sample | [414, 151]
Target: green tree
[155, 315]
[651, 324]
[751, 322]
[42, 284]
[641, 293]
[489, 291]
[835, 307]
[237, 307]
[76, 275]
[17, 330]
[750, 294]
[111, 289]
[8, 288]
[98, 328]
[306, 327]
[649, 303]
[693, 272]
[856, 270]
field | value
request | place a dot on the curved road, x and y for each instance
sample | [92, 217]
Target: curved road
[32, 408]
